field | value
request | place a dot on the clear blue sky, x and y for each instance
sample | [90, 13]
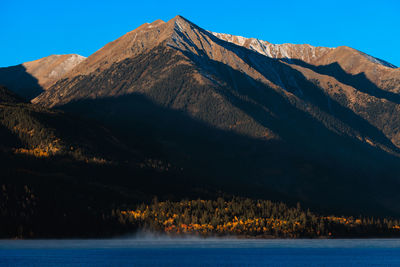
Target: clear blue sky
[33, 29]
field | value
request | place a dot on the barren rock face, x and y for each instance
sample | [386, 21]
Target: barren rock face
[304, 52]
[49, 69]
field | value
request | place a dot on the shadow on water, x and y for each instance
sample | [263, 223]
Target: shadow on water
[18, 80]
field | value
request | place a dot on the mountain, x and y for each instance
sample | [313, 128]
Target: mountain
[367, 86]
[31, 78]
[297, 67]
[284, 122]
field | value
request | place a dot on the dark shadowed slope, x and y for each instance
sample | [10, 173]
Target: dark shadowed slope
[21, 82]
[61, 175]
[8, 96]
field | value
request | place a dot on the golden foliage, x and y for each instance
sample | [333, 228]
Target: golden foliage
[245, 217]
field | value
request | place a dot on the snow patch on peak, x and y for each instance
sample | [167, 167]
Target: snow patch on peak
[288, 51]
[239, 40]
[304, 52]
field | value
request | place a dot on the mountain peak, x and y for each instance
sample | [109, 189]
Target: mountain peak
[133, 43]
[179, 23]
[160, 22]
[178, 17]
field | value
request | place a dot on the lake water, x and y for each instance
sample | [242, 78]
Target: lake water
[151, 251]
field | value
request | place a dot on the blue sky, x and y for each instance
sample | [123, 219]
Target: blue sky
[33, 29]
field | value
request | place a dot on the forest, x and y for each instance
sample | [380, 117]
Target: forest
[250, 218]
[29, 213]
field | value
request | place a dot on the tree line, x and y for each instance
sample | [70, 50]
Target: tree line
[252, 218]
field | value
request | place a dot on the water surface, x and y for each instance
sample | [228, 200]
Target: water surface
[152, 251]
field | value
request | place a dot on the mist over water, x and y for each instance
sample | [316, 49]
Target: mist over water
[154, 240]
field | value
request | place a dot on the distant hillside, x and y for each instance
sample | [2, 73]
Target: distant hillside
[29, 79]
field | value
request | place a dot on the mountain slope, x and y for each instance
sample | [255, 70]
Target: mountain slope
[31, 78]
[366, 85]
[39, 132]
[243, 121]
[61, 175]
[203, 55]
[8, 96]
